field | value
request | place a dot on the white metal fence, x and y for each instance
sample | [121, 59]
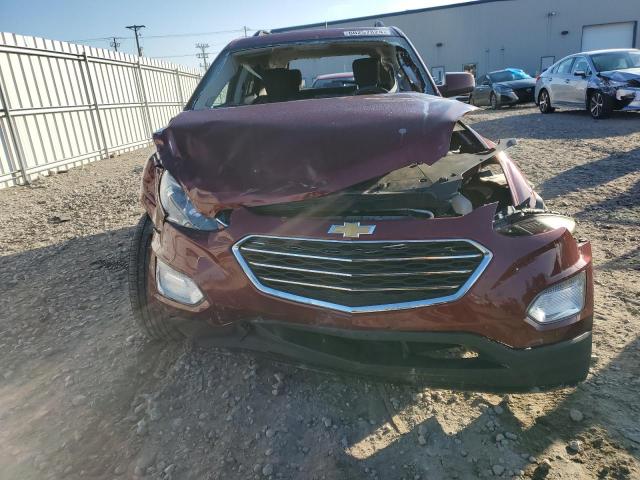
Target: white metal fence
[64, 104]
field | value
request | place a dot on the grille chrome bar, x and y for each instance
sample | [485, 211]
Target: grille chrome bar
[352, 260]
[346, 289]
[360, 276]
[354, 275]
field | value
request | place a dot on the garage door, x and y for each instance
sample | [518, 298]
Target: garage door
[610, 35]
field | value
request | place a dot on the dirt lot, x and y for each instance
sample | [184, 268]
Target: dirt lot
[84, 395]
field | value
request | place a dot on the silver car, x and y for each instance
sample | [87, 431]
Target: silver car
[600, 81]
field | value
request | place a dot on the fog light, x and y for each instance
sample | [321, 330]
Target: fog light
[176, 285]
[560, 301]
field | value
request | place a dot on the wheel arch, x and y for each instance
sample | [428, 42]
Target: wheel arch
[590, 90]
[543, 89]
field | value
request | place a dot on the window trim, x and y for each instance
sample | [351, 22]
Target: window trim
[572, 59]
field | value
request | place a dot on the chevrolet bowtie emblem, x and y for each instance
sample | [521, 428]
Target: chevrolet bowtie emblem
[352, 230]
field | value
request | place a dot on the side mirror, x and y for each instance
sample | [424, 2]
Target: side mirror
[580, 73]
[457, 83]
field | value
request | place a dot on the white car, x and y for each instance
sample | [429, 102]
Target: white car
[600, 81]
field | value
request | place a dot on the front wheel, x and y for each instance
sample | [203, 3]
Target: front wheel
[544, 102]
[493, 100]
[150, 320]
[600, 105]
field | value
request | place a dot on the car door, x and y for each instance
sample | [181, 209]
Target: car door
[580, 72]
[559, 85]
[482, 92]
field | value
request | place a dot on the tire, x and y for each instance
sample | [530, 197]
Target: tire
[493, 101]
[544, 102]
[151, 321]
[600, 105]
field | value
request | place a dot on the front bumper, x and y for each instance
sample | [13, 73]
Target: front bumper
[417, 357]
[516, 97]
[629, 98]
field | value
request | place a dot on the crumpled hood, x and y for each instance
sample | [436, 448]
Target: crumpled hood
[622, 75]
[282, 152]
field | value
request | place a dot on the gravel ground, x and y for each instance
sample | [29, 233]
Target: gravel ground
[84, 395]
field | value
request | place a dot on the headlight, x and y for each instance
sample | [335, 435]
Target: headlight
[559, 301]
[175, 285]
[180, 209]
[522, 224]
[503, 89]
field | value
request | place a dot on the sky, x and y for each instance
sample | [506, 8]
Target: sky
[174, 27]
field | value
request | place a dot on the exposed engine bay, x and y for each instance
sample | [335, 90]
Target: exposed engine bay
[468, 177]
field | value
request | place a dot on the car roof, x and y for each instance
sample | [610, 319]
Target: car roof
[263, 39]
[607, 50]
[328, 76]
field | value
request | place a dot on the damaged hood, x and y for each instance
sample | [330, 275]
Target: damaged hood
[290, 151]
[626, 75]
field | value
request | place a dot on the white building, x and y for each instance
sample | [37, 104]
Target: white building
[486, 35]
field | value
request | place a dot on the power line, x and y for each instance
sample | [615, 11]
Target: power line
[218, 32]
[203, 54]
[115, 43]
[169, 35]
[182, 55]
[135, 29]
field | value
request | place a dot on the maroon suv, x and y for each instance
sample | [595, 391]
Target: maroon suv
[363, 227]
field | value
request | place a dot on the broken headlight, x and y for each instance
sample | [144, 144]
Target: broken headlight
[181, 210]
[559, 301]
[522, 223]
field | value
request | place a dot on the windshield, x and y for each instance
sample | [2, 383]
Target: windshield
[290, 72]
[605, 62]
[508, 76]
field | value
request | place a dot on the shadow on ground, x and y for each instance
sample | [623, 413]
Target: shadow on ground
[88, 397]
[593, 174]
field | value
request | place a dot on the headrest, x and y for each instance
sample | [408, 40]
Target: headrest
[367, 72]
[281, 83]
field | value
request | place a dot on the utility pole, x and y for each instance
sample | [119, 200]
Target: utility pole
[115, 43]
[203, 55]
[245, 31]
[135, 29]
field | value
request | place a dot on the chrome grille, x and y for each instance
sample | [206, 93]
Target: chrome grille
[362, 276]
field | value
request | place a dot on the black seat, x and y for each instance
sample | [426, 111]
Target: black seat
[368, 74]
[282, 84]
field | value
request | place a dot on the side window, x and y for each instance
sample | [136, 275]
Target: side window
[564, 68]
[485, 80]
[221, 99]
[581, 65]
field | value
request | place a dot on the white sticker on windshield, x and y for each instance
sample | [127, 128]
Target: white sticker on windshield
[366, 33]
